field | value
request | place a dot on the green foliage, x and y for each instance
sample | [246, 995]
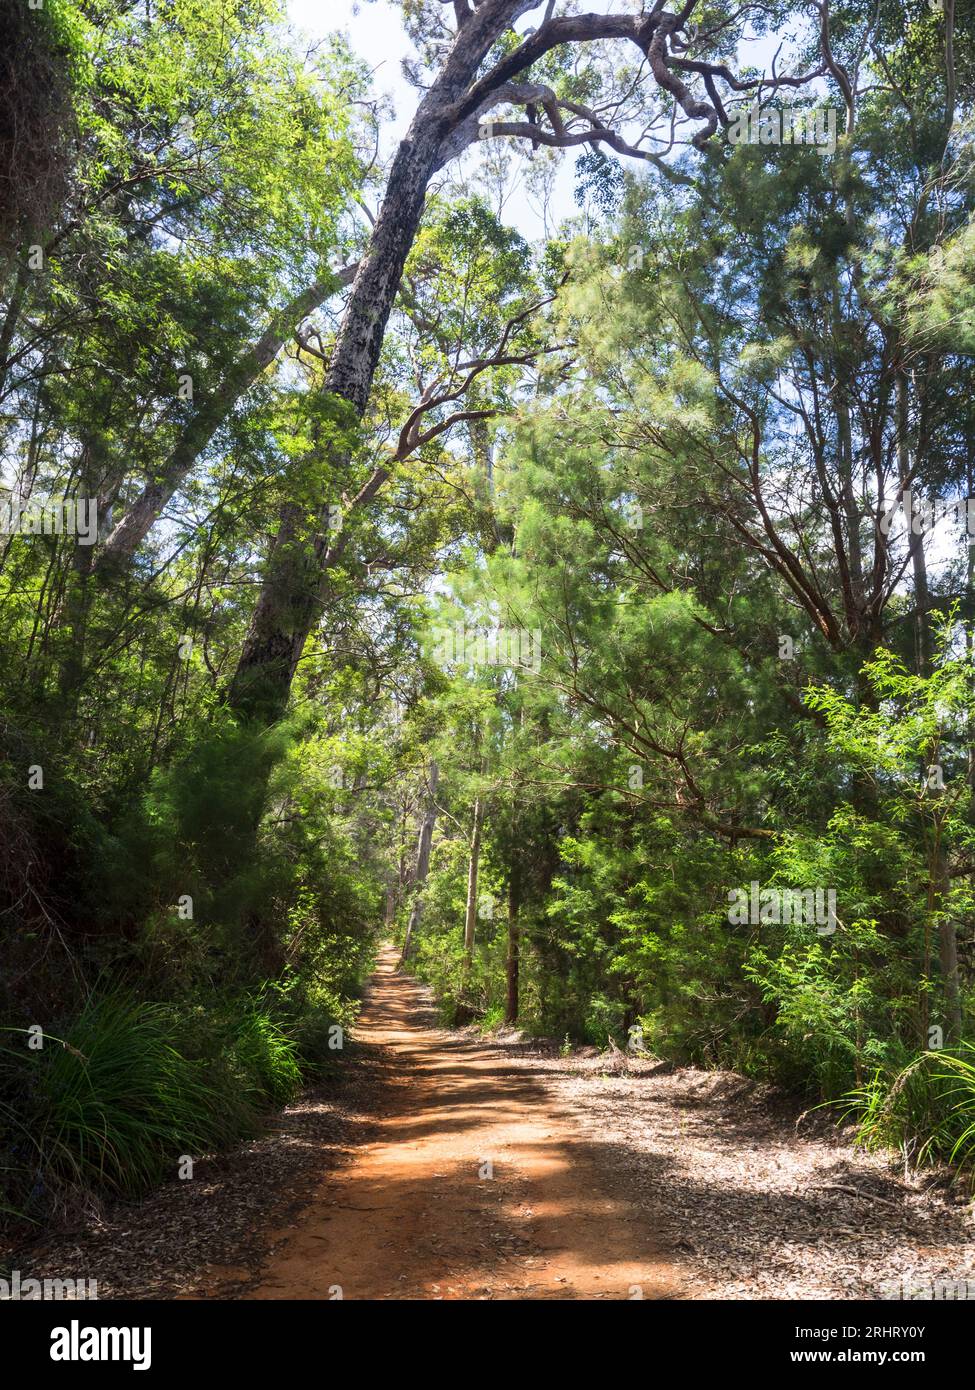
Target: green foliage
[926, 1108]
[114, 1103]
[134, 1085]
[266, 1056]
[41, 52]
[738, 682]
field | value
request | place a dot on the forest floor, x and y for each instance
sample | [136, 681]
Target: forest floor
[441, 1165]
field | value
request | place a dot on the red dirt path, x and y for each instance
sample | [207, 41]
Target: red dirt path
[415, 1216]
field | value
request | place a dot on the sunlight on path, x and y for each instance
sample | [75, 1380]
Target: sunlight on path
[475, 1188]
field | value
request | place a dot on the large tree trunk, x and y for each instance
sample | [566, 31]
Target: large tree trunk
[292, 595]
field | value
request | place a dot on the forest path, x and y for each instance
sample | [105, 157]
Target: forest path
[415, 1216]
[685, 1183]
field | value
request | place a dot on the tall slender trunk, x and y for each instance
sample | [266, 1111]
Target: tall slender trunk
[513, 962]
[922, 602]
[970, 618]
[939, 884]
[75, 608]
[947, 941]
[922, 628]
[422, 865]
[74, 623]
[470, 919]
[10, 320]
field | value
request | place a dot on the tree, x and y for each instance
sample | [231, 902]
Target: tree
[421, 865]
[914, 745]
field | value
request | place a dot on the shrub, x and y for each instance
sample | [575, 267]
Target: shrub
[114, 1102]
[265, 1056]
[108, 1108]
[926, 1109]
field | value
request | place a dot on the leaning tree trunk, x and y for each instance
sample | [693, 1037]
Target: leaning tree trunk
[446, 121]
[292, 596]
[213, 411]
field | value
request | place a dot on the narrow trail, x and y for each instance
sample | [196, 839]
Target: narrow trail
[476, 1186]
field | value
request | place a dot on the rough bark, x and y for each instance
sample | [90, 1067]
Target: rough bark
[291, 596]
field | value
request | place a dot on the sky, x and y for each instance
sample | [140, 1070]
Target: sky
[377, 34]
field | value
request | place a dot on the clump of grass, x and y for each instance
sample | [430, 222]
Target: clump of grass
[926, 1109]
[116, 1101]
[132, 1085]
[267, 1057]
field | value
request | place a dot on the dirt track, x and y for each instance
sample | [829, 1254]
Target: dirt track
[476, 1186]
[680, 1182]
